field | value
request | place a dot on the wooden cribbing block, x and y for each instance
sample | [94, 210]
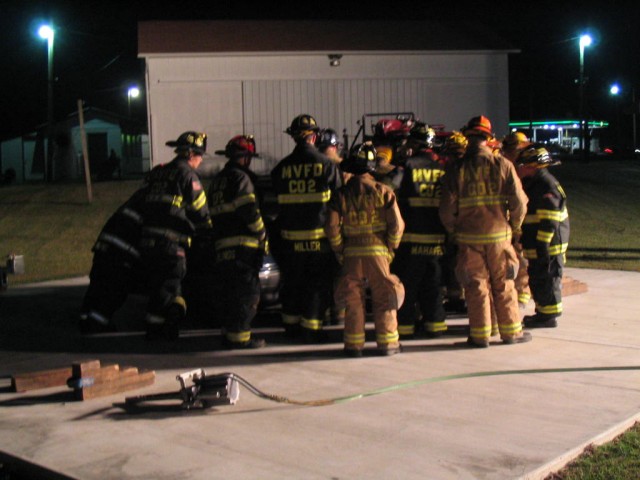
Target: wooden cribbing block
[571, 286]
[127, 379]
[91, 380]
[88, 379]
[24, 382]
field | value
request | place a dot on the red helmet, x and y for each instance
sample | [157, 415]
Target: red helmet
[239, 146]
[480, 125]
[391, 128]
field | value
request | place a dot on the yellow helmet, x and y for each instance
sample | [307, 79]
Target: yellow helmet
[384, 156]
[536, 156]
[455, 144]
[515, 140]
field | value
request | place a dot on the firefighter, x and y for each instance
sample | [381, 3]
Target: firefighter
[116, 268]
[452, 151]
[545, 235]
[417, 262]
[173, 210]
[482, 204]
[330, 145]
[240, 242]
[512, 145]
[304, 182]
[364, 227]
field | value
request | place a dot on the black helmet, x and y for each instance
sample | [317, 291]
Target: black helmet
[327, 137]
[362, 159]
[195, 141]
[422, 133]
[536, 156]
[302, 126]
[239, 146]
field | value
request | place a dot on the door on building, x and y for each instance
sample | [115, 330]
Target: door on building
[98, 147]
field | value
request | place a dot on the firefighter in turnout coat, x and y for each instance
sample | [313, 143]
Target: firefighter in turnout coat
[364, 227]
[512, 145]
[116, 270]
[240, 240]
[482, 204]
[173, 210]
[545, 235]
[304, 182]
[418, 261]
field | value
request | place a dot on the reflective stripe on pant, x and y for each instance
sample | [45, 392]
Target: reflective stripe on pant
[546, 285]
[487, 273]
[387, 294]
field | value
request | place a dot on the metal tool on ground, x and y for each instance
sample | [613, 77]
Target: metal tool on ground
[223, 389]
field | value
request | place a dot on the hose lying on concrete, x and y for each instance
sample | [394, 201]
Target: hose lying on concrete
[416, 383]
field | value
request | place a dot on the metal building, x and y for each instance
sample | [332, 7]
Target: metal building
[253, 77]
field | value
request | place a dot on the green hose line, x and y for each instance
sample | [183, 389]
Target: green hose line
[416, 383]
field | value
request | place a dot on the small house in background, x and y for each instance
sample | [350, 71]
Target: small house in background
[117, 147]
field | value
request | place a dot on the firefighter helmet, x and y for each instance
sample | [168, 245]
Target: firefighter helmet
[455, 144]
[391, 129]
[239, 146]
[194, 141]
[515, 140]
[423, 133]
[302, 126]
[362, 159]
[478, 126]
[384, 157]
[327, 137]
[536, 156]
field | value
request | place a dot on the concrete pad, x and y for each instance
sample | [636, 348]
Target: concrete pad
[438, 410]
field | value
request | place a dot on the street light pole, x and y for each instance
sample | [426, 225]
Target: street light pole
[585, 41]
[47, 33]
[133, 92]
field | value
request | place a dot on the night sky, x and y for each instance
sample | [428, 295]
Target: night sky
[95, 53]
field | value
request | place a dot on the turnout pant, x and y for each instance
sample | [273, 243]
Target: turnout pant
[307, 282]
[545, 281]
[487, 274]
[421, 276]
[387, 295]
[236, 298]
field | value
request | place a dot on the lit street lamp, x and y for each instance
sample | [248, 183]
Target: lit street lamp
[133, 92]
[46, 32]
[614, 91]
[585, 41]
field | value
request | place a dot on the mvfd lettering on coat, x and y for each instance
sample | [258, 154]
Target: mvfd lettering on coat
[301, 177]
[428, 180]
[363, 209]
[478, 181]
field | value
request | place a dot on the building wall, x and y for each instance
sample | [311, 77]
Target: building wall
[260, 95]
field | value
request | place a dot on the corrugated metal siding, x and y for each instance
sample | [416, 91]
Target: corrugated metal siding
[228, 95]
[340, 104]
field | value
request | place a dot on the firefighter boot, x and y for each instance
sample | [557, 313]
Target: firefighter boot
[526, 337]
[250, 344]
[539, 321]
